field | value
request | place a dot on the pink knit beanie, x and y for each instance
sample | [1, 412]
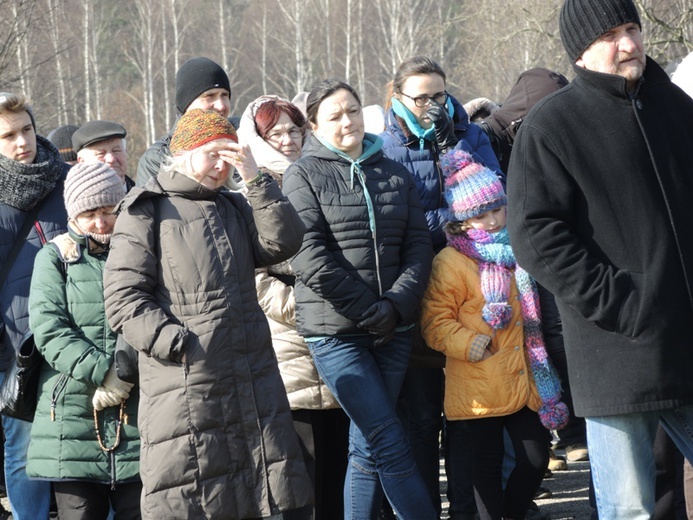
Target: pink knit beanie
[91, 186]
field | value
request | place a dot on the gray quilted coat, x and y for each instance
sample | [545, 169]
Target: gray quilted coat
[217, 437]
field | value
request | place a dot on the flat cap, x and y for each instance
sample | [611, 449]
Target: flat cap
[94, 131]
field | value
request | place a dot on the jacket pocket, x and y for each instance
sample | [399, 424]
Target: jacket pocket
[628, 322]
[56, 392]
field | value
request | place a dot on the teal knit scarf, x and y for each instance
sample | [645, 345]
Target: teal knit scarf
[424, 134]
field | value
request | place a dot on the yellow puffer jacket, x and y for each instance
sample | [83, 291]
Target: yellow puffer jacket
[451, 320]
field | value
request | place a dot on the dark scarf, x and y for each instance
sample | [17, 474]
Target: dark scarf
[25, 185]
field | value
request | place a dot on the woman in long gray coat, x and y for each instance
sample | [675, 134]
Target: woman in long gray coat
[217, 436]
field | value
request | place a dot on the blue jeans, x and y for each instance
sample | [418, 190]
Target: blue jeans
[420, 408]
[622, 458]
[29, 499]
[366, 382]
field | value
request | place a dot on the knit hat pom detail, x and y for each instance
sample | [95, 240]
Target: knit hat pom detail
[554, 416]
[497, 315]
[454, 161]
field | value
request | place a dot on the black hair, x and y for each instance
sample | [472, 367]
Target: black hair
[323, 90]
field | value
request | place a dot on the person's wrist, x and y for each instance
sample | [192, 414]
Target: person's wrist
[255, 179]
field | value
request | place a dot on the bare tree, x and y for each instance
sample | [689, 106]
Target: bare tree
[53, 7]
[24, 17]
[140, 54]
[667, 27]
[294, 15]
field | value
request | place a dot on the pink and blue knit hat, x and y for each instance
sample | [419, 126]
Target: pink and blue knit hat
[471, 189]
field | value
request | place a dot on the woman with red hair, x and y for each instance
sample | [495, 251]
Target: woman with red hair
[275, 130]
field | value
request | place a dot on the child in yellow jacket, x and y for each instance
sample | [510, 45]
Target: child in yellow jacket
[482, 311]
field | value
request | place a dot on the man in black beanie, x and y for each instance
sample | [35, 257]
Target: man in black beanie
[599, 187]
[200, 83]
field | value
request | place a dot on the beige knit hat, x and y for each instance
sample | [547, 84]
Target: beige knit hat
[91, 186]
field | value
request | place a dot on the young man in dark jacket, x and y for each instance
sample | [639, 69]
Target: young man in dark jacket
[31, 186]
[599, 189]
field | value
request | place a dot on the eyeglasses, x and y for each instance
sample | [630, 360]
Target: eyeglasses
[294, 133]
[423, 101]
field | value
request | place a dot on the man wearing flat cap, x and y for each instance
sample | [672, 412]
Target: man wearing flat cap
[103, 141]
[599, 188]
[200, 83]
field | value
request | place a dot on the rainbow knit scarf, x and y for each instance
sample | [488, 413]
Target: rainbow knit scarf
[496, 265]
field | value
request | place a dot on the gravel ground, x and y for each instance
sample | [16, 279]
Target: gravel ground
[570, 490]
[569, 500]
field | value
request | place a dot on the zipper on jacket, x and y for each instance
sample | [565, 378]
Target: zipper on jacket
[113, 469]
[55, 393]
[374, 232]
[441, 178]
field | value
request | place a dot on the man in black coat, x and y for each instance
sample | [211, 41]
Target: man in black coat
[599, 189]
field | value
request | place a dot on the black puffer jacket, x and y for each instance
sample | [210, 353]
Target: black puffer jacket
[360, 244]
[599, 213]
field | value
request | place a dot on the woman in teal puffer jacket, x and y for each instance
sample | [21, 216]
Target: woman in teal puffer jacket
[84, 438]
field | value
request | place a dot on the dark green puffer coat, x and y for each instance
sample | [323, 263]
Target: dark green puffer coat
[69, 323]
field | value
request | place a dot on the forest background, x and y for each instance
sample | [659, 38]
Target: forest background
[79, 60]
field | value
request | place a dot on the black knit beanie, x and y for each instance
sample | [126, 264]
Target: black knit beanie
[196, 76]
[583, 21]
[61, 137]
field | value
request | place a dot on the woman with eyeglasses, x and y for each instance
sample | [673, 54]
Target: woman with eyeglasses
[275, 130]
[422, 122]
[360, 273]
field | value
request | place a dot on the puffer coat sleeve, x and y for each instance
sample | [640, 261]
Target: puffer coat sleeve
[66, 347]
[130, 283]
[131, 277]
[276, 231]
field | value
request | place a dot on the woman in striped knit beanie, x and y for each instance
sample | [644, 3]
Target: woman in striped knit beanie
[482, 311]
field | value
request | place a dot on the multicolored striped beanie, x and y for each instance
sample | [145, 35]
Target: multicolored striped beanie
[471, 189]
[197, 127]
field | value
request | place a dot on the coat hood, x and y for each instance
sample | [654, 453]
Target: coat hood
[265, 156]
[531, 86]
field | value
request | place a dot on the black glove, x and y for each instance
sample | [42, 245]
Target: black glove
[126, 364]
[443, 126]
[380, 318]
[382, 340]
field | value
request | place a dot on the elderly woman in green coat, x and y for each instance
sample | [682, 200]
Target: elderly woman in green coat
[84, 438]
